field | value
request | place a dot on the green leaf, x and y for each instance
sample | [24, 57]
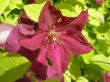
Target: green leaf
[73, 72]
[103, 45]
[75, 1]
[107, 3]
[96, 18]
[68, 9]
[92, 71]
[2, 52]
[33, 11]
[67, 76]
[101, 61]
[16, 4]
[11, 18]
[103, 28]
[87, 57]
[109, 57]
[78, 61]
[42, 1]
[108, 50]
[3, 5]
[12, 67]
[82, 79]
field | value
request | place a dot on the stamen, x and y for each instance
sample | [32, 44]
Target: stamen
[54, 26]
[54, 39]
[59, 20]
[53, 36]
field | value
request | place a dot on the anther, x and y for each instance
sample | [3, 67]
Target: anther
[54, 26]
[54, 39]
[59, 20]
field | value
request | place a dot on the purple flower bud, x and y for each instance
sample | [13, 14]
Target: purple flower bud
[107, 77]
[5, 30]
[100, 2]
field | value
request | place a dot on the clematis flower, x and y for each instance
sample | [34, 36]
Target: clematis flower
[25, 28]
[100, 2]
[5, 30]
[107, 77]
[56, 39]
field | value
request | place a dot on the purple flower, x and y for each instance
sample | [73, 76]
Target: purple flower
[21, 31]
[107, 77]
[50, 44]
[100, 2]
[5, 30]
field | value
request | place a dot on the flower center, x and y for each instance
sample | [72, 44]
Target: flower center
[52, 36]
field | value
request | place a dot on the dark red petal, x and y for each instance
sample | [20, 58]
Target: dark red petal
[26, 30]
[5, 30]
[18, 33]
[55, 58]
[100, 2]
[33, 43]
[74, 44]
[80, 38]
[32, 1]
[77, 35]
[107, 77]
[29, 54]
[21, 31]
[59, 59]
[65, 56]
[49, 16]
[40, 66]
[79, 22]
[63, 21]
[24, 19]
[12, 43]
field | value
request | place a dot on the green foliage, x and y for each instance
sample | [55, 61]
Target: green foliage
[107, 3]
[93, 72]
[12, 67]
[10, 10]
[11, 16]
[96, 18]
[33, 11]
[71, 8]
[72, 74]
[101, 61]
[3, 5]
[16, 4]
[82, 79]
[87, 57]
